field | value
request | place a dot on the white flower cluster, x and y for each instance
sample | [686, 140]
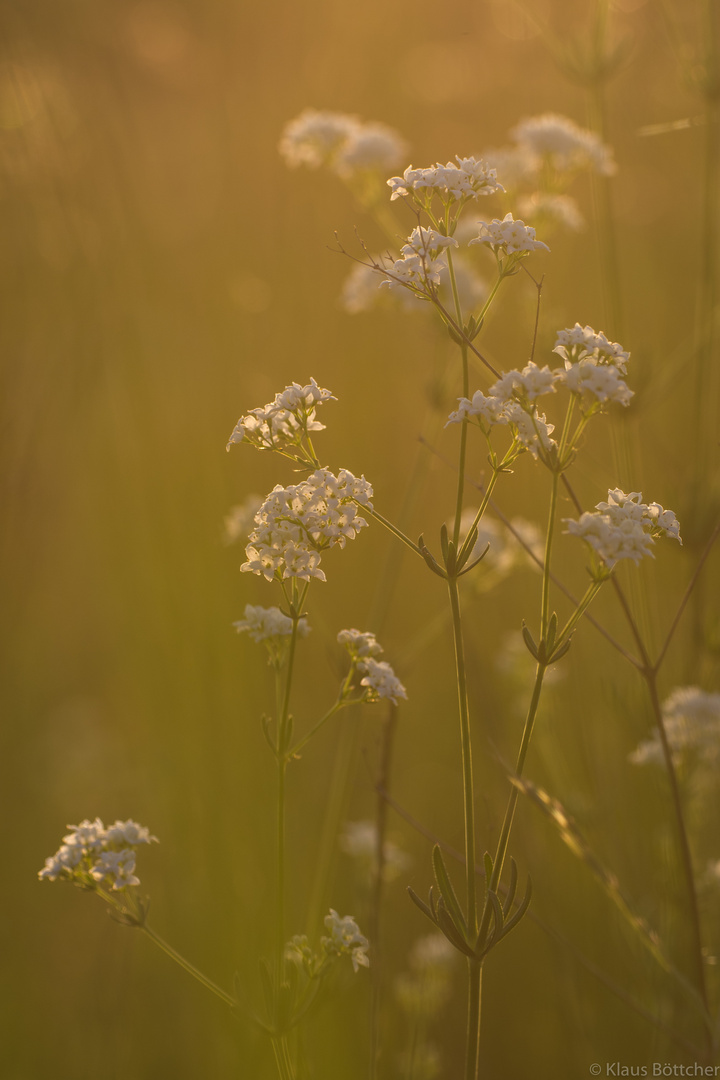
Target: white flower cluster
[422, 261]
[469, 178]
[580, 342]
[296, 523]
[550, 207]
[567, 146]
[345, 939]
[509, 236]
[624, 527]
[692, 723]
[359, 840]
[93, 855]
[511, 401]
[268, 624]
[284, 422]
[345, 143]
[359, 643]
[239, 519]
[379, 679]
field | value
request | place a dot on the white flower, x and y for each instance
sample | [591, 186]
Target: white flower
[424, 241]
[119, 866]
[530, 428]
[624, 527]
[238, 521]
[359, 643]
[359, 840]
[295, 524]
[529, 383]
[692, 723]
[659, 522]
[284, 422]
[508, 235]
[566, 145]
[419, 273]
[267, 623]
[490, 409]
[90, 853]
[345, 939]
[577, 342]
[369, 146]
[381, 681]
[128, 834]
[602, 381]
[345, 143]
[612, 540]
[557, 209]
[312, 137]
[469, 178]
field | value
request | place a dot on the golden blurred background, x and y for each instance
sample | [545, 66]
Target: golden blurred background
[163, 271]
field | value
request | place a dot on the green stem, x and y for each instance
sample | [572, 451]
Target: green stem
[392, 528]
[472, 1060]
[501, 850]
[473, 1029]
[187, 966]
[545, 610]
[313, 730]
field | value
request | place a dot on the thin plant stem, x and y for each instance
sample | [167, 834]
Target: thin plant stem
[375, 924]
[473, 1025]
[187, 966]
[545, 609]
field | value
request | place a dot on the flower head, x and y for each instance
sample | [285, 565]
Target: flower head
[91, 855]
[567, 146]
[624, 527]
[508, 236]
[296, 524]
[380, 680]
[578, 342]
[359, 643]
[345, 939]
[345, 143]
[691, 718]
[269, 624]
[464, 178]
[283, 424]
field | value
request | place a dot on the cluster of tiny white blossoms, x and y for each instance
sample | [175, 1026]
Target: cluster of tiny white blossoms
[691, 717]
[345, 939]
[510, 401]
[468, 179]
[285, 422]
[379, 679]
[567, 146]
[593, 372]
[344, 143]
[553, 208]
[508, 236]
[624, 527]
[268, 624]
[422, 261]
[92, 855]
[359, 840]
[296, 523]
[239, 519]
[577, 343]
